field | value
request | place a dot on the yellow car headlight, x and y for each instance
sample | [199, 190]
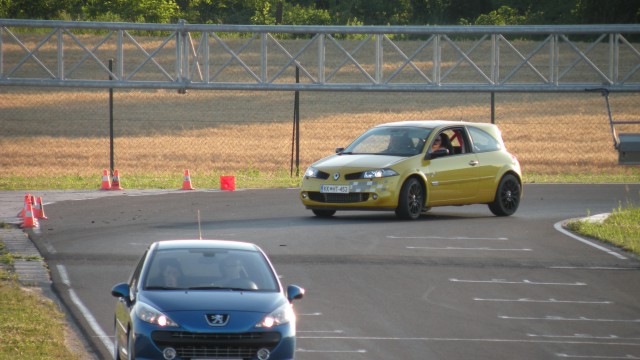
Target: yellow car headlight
[378, 173]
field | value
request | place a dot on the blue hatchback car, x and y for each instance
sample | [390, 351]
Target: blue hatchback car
[205, 299]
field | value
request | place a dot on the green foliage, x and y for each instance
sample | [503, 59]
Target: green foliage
[298, 15]
[502, 16]
[264, 13]
[330, 12]
[150, 11]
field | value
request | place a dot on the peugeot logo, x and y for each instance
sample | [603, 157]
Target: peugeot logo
[336, 176]
[217, 319]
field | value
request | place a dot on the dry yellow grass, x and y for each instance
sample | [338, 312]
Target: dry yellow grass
[64, 132]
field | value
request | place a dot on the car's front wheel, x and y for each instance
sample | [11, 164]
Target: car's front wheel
[324, 213]
[116, 346]
[507, 196]
[130, 346]
[411, 200]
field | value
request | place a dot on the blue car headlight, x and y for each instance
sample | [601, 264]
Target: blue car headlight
[148, 313]
[378, 173]
[311, 172]
[282, 315]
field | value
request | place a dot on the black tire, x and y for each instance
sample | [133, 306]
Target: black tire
[130, 346]
[411, 200]
[507, 197]
[116, 346]
[324, 213]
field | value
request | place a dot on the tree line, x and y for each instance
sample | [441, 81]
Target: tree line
[330, 12]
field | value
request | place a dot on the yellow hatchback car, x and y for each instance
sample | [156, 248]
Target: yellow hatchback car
[411, 166]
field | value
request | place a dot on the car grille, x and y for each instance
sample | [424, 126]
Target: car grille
[338, 198]
[322, 175]
[353, 176]
[216, 345]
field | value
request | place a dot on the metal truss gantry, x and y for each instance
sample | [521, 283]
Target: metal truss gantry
[328, 58]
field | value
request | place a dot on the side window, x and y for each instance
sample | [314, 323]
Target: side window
[459, 141]
[482, 141]
[135, 277]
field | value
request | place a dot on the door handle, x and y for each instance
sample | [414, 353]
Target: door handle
[473, 162]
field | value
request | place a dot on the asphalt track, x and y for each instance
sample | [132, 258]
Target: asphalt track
[459, 283]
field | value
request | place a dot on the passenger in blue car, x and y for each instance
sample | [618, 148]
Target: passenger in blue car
[235, 275]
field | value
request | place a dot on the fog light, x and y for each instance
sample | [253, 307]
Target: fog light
[169, 353]
[263, 354]
[375, 197]
[304, 195]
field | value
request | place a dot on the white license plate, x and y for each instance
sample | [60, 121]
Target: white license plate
[334, 189]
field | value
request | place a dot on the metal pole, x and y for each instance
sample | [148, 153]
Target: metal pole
[295, 141]
[493, 107]
[111, 162]
[297, 120]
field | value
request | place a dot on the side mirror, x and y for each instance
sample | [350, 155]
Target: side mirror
[121, 291]
[339, 150]
[294, 292]
[437, 154]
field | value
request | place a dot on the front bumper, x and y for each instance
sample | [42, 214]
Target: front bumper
[372, 194]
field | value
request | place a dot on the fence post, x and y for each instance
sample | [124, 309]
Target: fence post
[111, 162]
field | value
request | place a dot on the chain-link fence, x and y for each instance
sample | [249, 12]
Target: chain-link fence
[49, 132]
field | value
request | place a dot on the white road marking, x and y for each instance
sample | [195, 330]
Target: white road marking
[526, 282]
[561, 318]
[445, 238]
[64, 276]
[360, 351]
[591, 268]
[463, 248]
[321, 331]
[582, 336]
[547, 301]
[91, 320]
[478, 340]
[596, 356]
[558, 226]
[310, 314]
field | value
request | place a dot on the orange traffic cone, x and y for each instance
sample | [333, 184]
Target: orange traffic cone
[186, 183]
[38, 210]
[106, 182]
[29, 220]
[115, 183]
[27, 201]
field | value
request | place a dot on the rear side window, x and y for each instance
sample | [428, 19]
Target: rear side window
[483, 141]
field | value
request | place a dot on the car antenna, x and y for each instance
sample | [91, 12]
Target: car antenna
[199, 227]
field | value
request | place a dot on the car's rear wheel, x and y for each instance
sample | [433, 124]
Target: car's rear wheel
[507, 196]
[411, 200]
[324, 213]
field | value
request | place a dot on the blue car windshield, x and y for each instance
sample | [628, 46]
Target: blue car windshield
[209, 269]
[390, 140]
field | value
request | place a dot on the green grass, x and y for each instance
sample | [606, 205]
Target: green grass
[621, 228]
[32, 327]
[246, 179]
[31, 324]
[249, 179]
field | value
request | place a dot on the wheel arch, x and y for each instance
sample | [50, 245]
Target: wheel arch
[501, 174]
[422, 179]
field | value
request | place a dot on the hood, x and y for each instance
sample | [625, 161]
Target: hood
[366, 161]
[219, 300]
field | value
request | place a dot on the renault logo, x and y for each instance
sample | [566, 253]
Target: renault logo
[217, 319]
[336, 176]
